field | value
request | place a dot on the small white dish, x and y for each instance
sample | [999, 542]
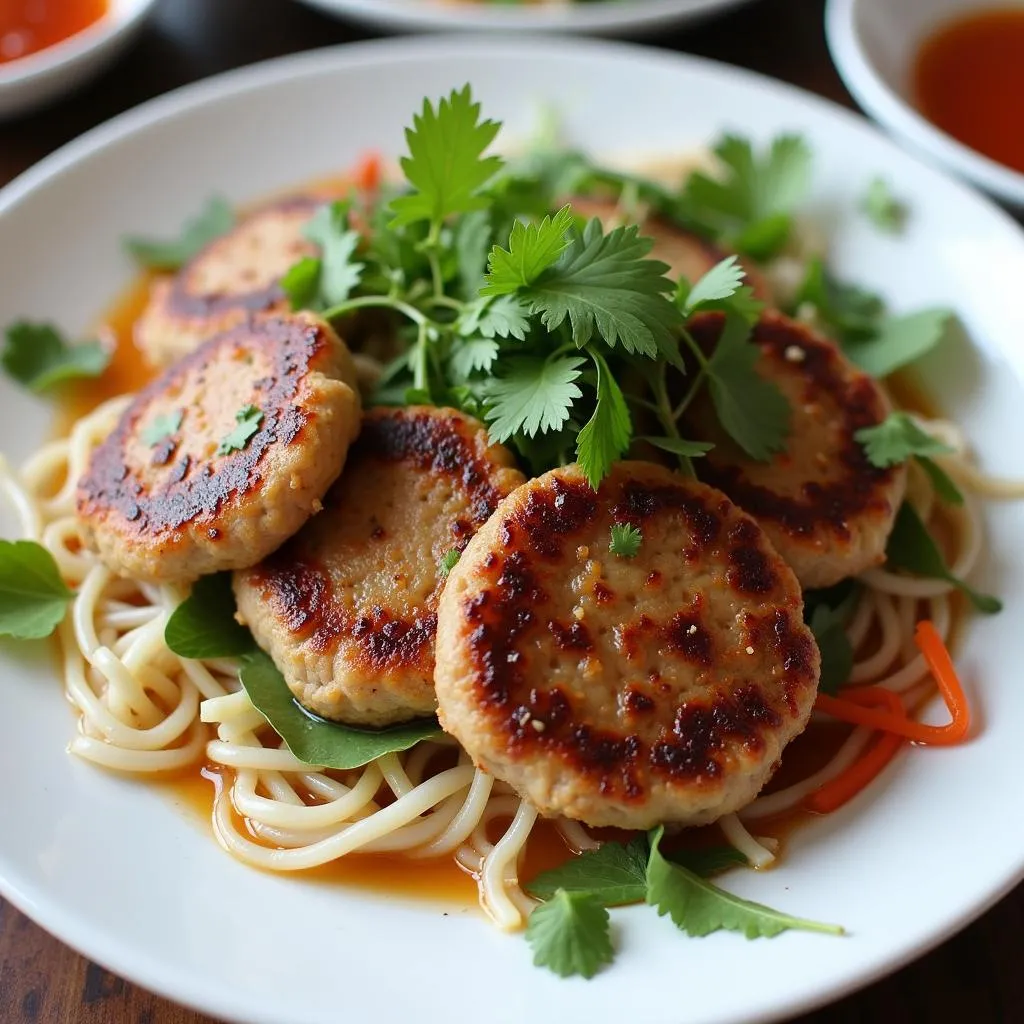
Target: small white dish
[873, 44]
[33, 80]
[629, 17]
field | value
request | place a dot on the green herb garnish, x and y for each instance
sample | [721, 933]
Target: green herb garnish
[314, 740]
[448, 562]
[626, 540]
[39, 357]
[214, 220]
[570, 935]
[912, 549]
[33, 597]
[161, 427]
[248, 420]
[204, 625]
[882, 208]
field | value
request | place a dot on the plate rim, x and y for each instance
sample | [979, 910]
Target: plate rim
[179, 985]
[638, 16]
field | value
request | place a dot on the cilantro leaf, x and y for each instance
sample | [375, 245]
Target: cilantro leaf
[204, 625]
[37, 356]
[605, 437]
[836, 652]
[752, 410]
[720, 282]
[896, 439]
[680, 446]
[750, 201]
[448, 562]
[533, 394]
[471, 239]
[248, 419]
[301, 283]
[162, 427]
[711, 860]
[33, 597]
[473, 354]
[882, 208]
[944, 486]
[912, 549]
[849, 312]
[570, 934]
[338, 273]
[626, 540]
[214, 220]
[699, 908]
[900, 340]
[501, 316]
[314, 740]
[446, 166]
[604, 285]
[614, 873]
[532, 248]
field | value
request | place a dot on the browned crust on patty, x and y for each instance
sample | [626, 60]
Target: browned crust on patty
[309, 602]
[665, 744]
[148, 515]
[827, 508]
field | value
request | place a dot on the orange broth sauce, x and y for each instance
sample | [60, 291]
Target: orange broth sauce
[442, 879]
[28, 26]
[968, 80]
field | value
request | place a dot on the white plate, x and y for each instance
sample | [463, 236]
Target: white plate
[116, 870]
[605, 18]
[30, 81]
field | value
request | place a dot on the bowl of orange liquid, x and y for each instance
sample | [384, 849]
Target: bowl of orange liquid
[945, 76]
[50, 47]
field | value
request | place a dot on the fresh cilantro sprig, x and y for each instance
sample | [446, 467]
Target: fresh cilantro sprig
[571, 937]
[898, 438]
[626, 540]
[750, 203]
[162, 427]
[447, 562]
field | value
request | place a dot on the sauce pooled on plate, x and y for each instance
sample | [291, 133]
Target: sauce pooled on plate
[27, 26]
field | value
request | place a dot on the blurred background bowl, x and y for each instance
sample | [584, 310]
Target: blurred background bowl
[29, 82]
[614, 17]
[873, 44]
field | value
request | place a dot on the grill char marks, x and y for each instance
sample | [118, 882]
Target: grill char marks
[347, 608]
[213, 495]
[289, 348]
[660, 713]
[825, 507]
[186, 297]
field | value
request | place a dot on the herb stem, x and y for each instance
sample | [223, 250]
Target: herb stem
[690, 395]
[663, 407]
[379, 301]
[702, 360]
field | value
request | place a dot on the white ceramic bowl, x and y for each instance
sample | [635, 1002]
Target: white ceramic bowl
[873, 44]
[31, 81]
[628, 17]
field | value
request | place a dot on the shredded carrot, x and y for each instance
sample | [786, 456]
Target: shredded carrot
[844, 787]
[855, 704]
[368, 172]
[882, 709]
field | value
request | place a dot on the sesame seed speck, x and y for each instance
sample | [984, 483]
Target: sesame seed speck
[692, 630]
[538, 725]
[750, 650]
[795, 354]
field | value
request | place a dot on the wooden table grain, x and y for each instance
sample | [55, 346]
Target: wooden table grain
[974, 977]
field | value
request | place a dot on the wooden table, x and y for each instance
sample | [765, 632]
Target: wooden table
[974, 977]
